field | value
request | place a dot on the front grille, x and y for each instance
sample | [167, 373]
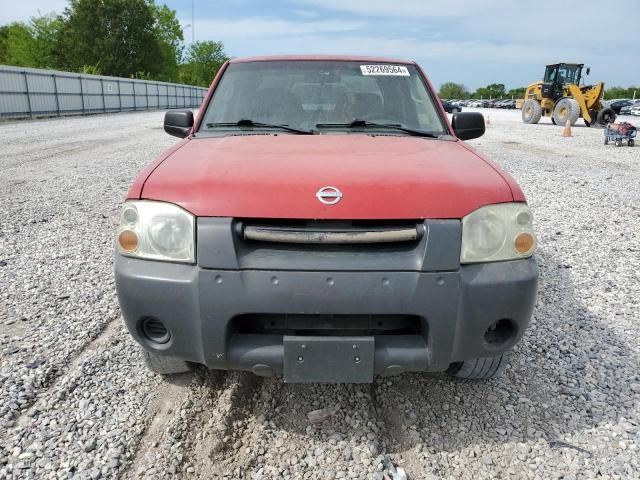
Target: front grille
[327, 325]
[330, 232]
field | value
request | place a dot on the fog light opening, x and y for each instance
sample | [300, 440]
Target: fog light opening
[499, 333]
[155, 330]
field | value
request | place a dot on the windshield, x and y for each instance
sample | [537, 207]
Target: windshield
[563, 74]
[322, 95]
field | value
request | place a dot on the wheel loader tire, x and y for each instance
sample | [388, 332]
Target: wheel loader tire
[164, 365]
[566, 109]
[531, 111]
[478, 368]
[606, 115]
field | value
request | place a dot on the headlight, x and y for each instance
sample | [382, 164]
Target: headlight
[497, 232]
[156, 231]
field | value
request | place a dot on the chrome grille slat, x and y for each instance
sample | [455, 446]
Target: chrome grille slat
[328, 235]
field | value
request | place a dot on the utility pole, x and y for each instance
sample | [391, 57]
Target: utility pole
[193, 25]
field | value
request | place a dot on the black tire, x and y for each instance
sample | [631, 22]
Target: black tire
[606, 115]
[164, 365]
[566, 109]
[631, 142]
[553, 121]
[594, 118]
[606, 140]
[478, 368]
[587, 123]
[531, 111]
[618, 143]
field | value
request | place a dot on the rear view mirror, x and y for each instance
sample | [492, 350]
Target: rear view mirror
[468, 125]
[178, 122]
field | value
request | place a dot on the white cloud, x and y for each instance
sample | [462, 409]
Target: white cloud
[476, 62]
[410, 8]
[500, 21]
[306, 13]
[261, 27]
[22, 11]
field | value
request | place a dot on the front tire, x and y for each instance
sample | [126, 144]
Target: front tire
[531, 112]
[478, 368]
[606, 116]
[164, 365]
[567, 109]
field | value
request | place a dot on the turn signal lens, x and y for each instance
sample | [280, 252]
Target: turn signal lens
[128, 240]
[524, 242]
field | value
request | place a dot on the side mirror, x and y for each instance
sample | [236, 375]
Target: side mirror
[178, 122]
[588, 70]
[468, 125]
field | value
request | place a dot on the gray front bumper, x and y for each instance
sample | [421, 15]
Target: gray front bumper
[198, 304]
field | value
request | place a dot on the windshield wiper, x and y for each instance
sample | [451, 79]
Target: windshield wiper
[250, 123]
[366, 124]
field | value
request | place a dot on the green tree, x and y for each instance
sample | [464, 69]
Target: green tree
[516, 92]
[120, 37]
[453, 90]
[202, 62]
[482, 92]
[30, 45]
[495, 90]
[621, 92]
[170, 38]
[46, 31]
[17, 45]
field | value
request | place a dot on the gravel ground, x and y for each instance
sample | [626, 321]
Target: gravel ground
[76, 400]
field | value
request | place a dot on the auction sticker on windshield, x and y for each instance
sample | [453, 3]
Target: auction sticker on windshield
[394, 70]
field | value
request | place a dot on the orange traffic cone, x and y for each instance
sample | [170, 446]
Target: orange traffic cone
[567, 129]
[488, 120]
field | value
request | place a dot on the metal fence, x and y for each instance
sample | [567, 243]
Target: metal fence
[29, 92]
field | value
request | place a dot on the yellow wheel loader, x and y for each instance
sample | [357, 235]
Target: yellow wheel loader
[561, 97]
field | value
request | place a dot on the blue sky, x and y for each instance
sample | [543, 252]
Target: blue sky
[475, 42]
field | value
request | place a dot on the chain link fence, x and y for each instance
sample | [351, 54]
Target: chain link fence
[30, 93]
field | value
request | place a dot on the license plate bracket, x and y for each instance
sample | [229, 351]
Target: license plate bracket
[328, 359]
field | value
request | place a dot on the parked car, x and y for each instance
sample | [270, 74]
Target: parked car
[635, 110]
[323, 220]
[450, 107]
[494, 103]
[626, 110]
[619, 104]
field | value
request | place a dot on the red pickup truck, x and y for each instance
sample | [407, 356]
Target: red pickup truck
[322, 219]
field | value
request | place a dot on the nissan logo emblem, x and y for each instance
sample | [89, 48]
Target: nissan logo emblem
[329, 195]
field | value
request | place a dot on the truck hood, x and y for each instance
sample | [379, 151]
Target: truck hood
[278, 176]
